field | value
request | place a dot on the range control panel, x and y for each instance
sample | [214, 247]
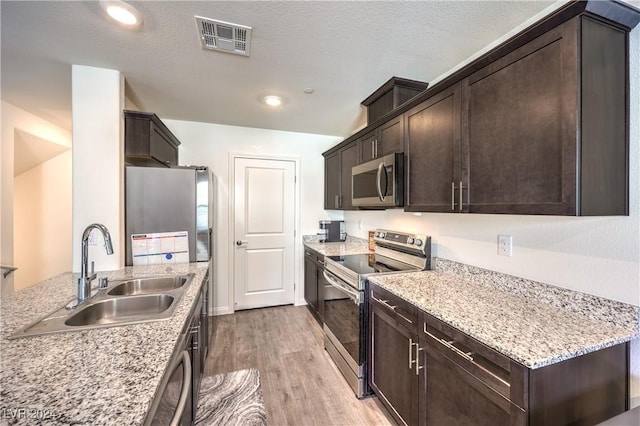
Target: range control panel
[400, 239]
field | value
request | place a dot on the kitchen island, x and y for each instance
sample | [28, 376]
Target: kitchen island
[103, 376]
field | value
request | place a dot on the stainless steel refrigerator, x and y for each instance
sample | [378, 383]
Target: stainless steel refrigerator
[169, 200]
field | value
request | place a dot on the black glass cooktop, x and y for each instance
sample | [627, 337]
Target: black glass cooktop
[371, 263]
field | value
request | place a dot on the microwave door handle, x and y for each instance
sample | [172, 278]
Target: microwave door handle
[381, 167]
[386, 182]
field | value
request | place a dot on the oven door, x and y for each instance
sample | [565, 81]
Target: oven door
[378, 183]
[344, 327]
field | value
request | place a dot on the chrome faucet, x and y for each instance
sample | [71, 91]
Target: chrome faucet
[84, 282]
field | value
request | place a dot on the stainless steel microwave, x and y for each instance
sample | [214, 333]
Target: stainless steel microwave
[379, 183]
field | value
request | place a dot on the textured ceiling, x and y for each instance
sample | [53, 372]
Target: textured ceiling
[344, 50]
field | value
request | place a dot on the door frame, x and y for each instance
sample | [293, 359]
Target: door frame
[298, 290]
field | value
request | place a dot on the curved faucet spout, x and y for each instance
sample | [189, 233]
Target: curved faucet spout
[84, 283]
[105, 234]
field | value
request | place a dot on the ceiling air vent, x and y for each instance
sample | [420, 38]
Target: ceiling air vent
[224, 36]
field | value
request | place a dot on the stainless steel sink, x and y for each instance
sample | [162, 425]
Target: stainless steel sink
[147, 285]
[113, 311]
[123, 302]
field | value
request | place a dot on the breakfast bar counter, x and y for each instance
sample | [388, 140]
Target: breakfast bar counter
[102, 376]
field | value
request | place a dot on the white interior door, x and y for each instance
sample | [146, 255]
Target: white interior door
[264, 207]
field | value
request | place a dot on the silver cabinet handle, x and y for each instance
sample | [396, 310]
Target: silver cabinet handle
[336, 202]
[453, 195]
[449, 344]
[196, 330]
[240, 243]
[385, 303]
[410, 354]
[393, 308]
[418, 366]
[461, 187]
[186, 387]
[373, 149]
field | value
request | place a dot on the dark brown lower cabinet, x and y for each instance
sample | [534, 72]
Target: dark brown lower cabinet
[463, 383]
[314, 283]
[390, 378]
[431, 374]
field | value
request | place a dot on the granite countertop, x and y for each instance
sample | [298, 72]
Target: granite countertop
[102, 376]
[352, 245]
[530, 332]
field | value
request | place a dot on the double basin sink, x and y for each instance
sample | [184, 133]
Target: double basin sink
[122, 302]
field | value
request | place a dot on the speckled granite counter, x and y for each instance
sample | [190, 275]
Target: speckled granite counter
[528, 329]
[103, 376]
[352, 245]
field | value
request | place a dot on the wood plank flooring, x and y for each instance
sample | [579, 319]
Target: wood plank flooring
[300, 383]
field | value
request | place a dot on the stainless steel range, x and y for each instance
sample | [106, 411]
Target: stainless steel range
[345, 307]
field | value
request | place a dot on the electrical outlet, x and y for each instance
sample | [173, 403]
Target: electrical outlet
[505, 245]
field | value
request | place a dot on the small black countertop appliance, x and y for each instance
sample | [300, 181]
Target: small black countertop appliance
[332, 231]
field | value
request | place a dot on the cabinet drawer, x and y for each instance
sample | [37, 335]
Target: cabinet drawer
[399, 309]
[498, 372]
[314, 256]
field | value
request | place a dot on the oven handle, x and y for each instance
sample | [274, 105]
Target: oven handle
[345, 288]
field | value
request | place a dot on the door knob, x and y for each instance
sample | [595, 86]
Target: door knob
[240, 243]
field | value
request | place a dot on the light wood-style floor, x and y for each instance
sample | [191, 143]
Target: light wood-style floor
[300, 383]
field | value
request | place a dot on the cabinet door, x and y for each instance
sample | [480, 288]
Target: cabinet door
[392, 375]
[161, 149]
[390, 137]
[310, 281]
[368, 146]
[521, 124]
[433, 151]
[332, 174]
[384, 140]
[453, 396]
[349, 158]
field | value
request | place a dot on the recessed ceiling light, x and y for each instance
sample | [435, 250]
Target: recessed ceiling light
[272, 100]
[309, 90]
[122, 12]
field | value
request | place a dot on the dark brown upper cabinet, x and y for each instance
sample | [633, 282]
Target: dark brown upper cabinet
[332, 178]
[386, 139]
[390, 96]
[538, 125]
[433, 153]
[337, 177]
[147, 141]
[544, 128]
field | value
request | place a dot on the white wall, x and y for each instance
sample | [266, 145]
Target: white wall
[98, 162]
[15, 119]
[211, 145]
[42, 221]
[599, 255]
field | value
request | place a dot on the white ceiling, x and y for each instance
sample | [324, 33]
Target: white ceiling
[344, 50]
